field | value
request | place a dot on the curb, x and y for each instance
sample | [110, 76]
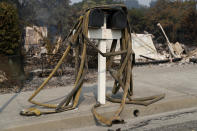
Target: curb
[79, 119]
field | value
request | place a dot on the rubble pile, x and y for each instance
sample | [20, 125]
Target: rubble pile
[149, 53]
[184, 55]
[40, 62]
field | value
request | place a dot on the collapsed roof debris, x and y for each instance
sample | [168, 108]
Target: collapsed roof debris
[144, 48]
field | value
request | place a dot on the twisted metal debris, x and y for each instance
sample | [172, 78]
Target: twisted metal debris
[122, 77]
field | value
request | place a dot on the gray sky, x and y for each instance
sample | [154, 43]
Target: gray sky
[143, 2]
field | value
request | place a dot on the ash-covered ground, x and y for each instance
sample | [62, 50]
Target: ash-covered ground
[68, 78]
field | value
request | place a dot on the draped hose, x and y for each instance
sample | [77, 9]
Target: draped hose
[122, 77]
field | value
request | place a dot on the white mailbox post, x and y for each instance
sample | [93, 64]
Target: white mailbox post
[103, 34]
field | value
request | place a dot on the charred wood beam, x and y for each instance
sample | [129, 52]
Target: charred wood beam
[147, 57]
[158, 61]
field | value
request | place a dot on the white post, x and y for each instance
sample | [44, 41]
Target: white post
[101, 72]
[103, 34]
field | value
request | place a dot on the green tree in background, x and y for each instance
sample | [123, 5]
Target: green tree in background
[137, 20]
[26, 10]
[189, 26]
[91, 3]
[171, 15]
[10, 33]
